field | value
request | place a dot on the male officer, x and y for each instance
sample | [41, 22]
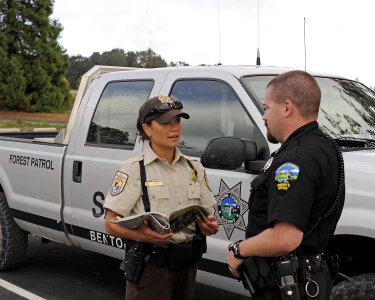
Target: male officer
[297, 200]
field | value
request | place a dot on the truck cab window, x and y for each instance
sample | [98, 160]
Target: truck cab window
[214, 111]
[258, 85]
[114, 121]
[347, 108]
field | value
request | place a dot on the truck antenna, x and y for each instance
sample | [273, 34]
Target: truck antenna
[218, 27]
[304, 38]
[148, 12]
[258, 52]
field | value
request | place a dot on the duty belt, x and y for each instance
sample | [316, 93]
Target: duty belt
[283, 272]
[173, 255]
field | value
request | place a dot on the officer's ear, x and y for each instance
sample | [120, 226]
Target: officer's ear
[147, 129]
[288, 107]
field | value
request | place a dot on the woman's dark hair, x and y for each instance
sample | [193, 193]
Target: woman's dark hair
[141, 132]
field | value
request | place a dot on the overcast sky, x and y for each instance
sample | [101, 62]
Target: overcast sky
[339, 33]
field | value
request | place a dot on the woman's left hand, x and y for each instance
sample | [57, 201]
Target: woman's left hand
[210, 226]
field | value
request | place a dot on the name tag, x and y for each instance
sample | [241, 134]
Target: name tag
[153, 183]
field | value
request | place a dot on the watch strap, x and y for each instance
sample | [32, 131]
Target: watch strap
[234, 247]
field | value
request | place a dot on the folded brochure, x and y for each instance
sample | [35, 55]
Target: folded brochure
[176, 221]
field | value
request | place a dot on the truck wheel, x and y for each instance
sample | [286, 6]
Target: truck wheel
[361, 288]
[13, 240]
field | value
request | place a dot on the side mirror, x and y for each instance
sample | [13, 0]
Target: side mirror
[228, 152]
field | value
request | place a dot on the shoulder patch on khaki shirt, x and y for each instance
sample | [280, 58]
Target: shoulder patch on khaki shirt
[119, 183]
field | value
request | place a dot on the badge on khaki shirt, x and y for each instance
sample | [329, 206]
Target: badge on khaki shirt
[286, 175]
[119, 183]
[193, 175]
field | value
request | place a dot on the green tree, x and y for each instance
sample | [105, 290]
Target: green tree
[29, 40]
[79, 65]
[131, 59]
[115, 57]
[12, 83]
[96, 58]
[178, 64]
[149, 59]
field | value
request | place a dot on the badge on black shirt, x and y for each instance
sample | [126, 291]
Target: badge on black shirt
[268, 164]
[286, 175]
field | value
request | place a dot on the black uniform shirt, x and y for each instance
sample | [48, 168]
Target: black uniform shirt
[298, 188]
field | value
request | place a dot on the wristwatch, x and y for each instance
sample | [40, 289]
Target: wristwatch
[236, 250]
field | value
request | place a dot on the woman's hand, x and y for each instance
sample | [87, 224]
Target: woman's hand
[143, 234]
[146, 234]
[209, 227]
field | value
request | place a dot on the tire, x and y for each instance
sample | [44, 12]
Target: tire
[361, 288]
[13, 240]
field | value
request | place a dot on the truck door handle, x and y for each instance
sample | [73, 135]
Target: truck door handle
[77, 171]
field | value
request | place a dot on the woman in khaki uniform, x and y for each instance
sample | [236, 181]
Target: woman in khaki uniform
[172, 181]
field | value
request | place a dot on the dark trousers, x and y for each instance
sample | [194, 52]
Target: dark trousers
[162, 283]
[323, 279]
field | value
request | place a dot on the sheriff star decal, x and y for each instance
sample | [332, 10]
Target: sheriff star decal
[230, 208]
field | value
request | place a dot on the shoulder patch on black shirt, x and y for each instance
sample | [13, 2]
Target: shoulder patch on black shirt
[119, 183]
[286, 175]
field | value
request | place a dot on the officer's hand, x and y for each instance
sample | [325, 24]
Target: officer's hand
[209, 227]
[234, 264]
[146, 234]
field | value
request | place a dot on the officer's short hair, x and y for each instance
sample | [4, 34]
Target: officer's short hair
[299, 87]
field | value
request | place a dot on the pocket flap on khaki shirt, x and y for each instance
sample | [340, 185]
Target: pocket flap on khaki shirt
[158, 192]
[194, 190]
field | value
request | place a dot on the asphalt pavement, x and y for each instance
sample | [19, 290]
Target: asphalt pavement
[57, 271]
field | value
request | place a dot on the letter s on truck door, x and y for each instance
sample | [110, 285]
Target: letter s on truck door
[105, 139]
[216, 103]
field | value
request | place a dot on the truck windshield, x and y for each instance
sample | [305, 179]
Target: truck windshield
[347, 109]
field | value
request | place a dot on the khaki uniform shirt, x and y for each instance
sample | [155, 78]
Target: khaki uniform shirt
[177, 188]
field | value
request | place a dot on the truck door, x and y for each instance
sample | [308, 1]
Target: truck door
[218, 106]
[106, 137]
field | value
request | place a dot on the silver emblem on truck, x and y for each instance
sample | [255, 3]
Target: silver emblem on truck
[230, 208]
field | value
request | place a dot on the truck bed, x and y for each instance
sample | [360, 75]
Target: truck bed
[54, 137]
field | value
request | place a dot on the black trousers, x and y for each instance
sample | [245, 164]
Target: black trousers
[322, 278]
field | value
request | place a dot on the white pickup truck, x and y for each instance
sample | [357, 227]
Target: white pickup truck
[53, 184]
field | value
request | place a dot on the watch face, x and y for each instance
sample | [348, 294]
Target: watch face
[231, 246]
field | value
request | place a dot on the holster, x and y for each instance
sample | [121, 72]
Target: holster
[247, 281]
[134, 262]
[260, 273]
[266, 275]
